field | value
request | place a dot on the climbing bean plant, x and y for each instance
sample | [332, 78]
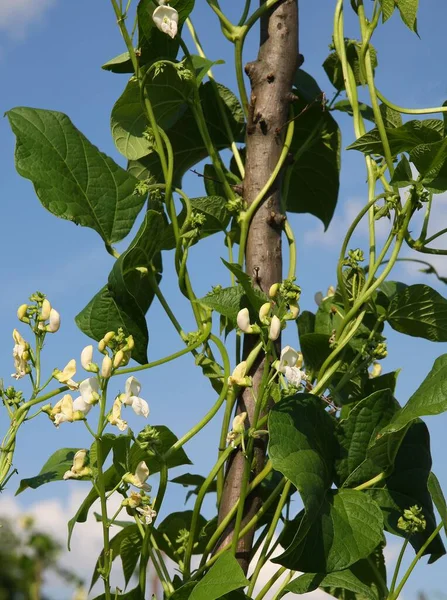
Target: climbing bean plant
[336, 435]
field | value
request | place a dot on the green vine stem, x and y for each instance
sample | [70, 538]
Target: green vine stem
[414, 562]
[271, 532]
[410, 111]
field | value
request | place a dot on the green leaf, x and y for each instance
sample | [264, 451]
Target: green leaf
[255, 296]
[202, 65]
[387, 381]
[429, 399]
[194, 481]
[111, 479]
[419, 311]
[402, 176]
[224, 576]
[431, 162]
[128, 294]
[169, 531]
[226, 301]
[53, 470]
[302, 446]
[306, 323]
[188, 146]
[72, 178]
[388, 7]
[121, 545]
[119, 64]
[407, 486]
[168, 95]
[315, 348]
[306, 86]
[401, 139]
[365, 110]
[408, 11]
[356, 433]
[134, 594]
[316, 149]
[391, 118]
[166, 439]
[438, 498]
[344, 580]
[348, 528]
[130, 550]
[333, 67]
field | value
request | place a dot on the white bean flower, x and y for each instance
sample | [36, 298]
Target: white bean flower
[289, 364]
[89, 389]
[132, 398]
[166, 19]
[147, 514]
[138, 479]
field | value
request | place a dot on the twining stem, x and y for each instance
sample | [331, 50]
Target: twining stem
[398, 563]
[101, 487]
[414, 562]
[271, 532]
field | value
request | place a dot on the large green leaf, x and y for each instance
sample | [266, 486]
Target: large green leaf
[419, 311]
[429, 399]
[53, 470]
[120, 545]
[128, 294]
[187, 143]
[327, 537]
[72, 178]
[408, 486]
[168, 94]
[224, 576]
[316, 147]
[343, 580]
[356, 433]
[401, 139]
[255, 296]
[348, 527]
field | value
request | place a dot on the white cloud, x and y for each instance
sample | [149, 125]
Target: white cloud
[337, 229]
[16, 16]
[51, 516]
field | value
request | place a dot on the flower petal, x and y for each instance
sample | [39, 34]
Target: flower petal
[140, 406]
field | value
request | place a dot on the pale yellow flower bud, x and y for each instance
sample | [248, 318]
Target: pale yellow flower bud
[275, 328]
[118, 359]
[106, 368]
[101, 346]
[274, 289]
[21, 313]
[264, 312]
[45, 312]
[238, 423]
[294, 311]
[243, 320]
[108, 337]
[87, 357]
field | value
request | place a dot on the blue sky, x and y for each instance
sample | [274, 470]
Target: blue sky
[50, 57]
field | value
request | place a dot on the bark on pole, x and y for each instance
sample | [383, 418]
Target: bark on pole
[271, 77]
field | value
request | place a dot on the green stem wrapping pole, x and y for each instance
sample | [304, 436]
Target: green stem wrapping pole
[100, 484]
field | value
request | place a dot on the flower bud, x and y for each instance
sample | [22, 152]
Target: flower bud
[87, 357]
[275, 328]
[108, 337]
[118, 359]
[294, 311]
[130, 343]
[243, 320]
[238, 422]
[101, 346]
[46, 310]
[55, 321]
[264, 312]
[274, 289]
[21, 313]
[106, 368]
